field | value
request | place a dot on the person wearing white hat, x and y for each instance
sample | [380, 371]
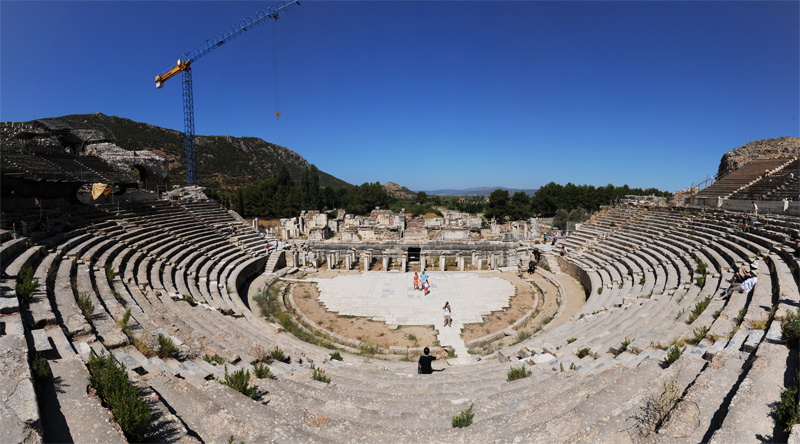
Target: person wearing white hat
[744, 287]
[742, 274]
[447, 311]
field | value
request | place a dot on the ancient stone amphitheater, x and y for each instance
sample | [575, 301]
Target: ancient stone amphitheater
[601, 376]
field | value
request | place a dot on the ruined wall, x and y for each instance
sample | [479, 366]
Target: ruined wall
[154, 166]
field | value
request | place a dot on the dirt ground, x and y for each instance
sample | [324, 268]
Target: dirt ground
[306, 296]
[520, 303]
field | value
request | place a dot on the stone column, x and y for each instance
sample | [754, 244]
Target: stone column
[421, 262]
[255, 224]
[295, 258]
[460, 260]
[348, 262]
[493, 261]
[331, 261]
[479, 264]
[386, 263]
[474, 259]
[404, 266]
[442, 260]
[365, 257]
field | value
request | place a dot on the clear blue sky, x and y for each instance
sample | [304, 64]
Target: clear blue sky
[432, 94]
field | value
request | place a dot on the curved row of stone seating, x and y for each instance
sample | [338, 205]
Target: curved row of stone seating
[772, 186]
[388, 401]
[663, 317]
[743, 177]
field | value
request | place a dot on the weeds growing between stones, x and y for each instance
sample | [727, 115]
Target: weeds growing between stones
[110, 380]
[463, 419]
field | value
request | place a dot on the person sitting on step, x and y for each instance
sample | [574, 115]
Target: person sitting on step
[424, 364]
[744, 287]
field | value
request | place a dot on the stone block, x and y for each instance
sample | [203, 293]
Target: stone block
[712, 351]
[774, 334]
[753, 339]
[41, 344]
[543, 358]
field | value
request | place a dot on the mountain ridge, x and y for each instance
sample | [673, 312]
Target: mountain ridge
[223, 162]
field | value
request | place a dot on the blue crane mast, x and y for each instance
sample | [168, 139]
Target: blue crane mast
[184, 65]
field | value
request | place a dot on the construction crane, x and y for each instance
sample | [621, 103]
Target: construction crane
[184, 65]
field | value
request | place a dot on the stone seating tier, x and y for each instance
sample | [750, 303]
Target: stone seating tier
[742, 177]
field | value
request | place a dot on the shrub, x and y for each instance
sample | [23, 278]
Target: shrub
[698, 334]
[702, 268]
[522, 336]
[318, 374]
[630, 271]
[336, 356]
[216, 359]
[790, 327]
[41, 368]
[450, 353]
[261, 371]
[680, 313]
[672, 355]
[166, 347]
[26, 285]
[190, 300]
[119, 298]
[110, 274]
[623, 346]
[277, 354]
[656, 410]
[582, 353]
[571, 340]
[740, 317]
[701, 281]
[642, 281]
[110, 381]
[518, 373]
[411, 337]
[240, 381]
[785, 411]
[463, 419]
[599, 290]
[699, 307]
[261, 354]
[86, 306]
[367, 350]
[123, 323]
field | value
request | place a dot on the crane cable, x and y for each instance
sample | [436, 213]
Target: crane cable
[275, 68]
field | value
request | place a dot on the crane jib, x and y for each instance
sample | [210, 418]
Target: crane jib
[188, 58]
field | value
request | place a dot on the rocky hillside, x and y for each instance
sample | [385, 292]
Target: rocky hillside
[223, 162]
[398, 191]
[780, 148]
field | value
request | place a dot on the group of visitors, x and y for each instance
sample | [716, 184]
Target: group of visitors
[554, 235]
[748, 222]
[742, 281]
[421, 283]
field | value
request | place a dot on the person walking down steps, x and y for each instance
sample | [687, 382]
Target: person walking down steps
[448, 321]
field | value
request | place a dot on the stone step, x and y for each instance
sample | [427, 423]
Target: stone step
[85, 420]
[749, 413]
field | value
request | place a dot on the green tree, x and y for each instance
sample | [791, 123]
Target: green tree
[365, 197]
[498, 205]
[309, 188]
[421, 198]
